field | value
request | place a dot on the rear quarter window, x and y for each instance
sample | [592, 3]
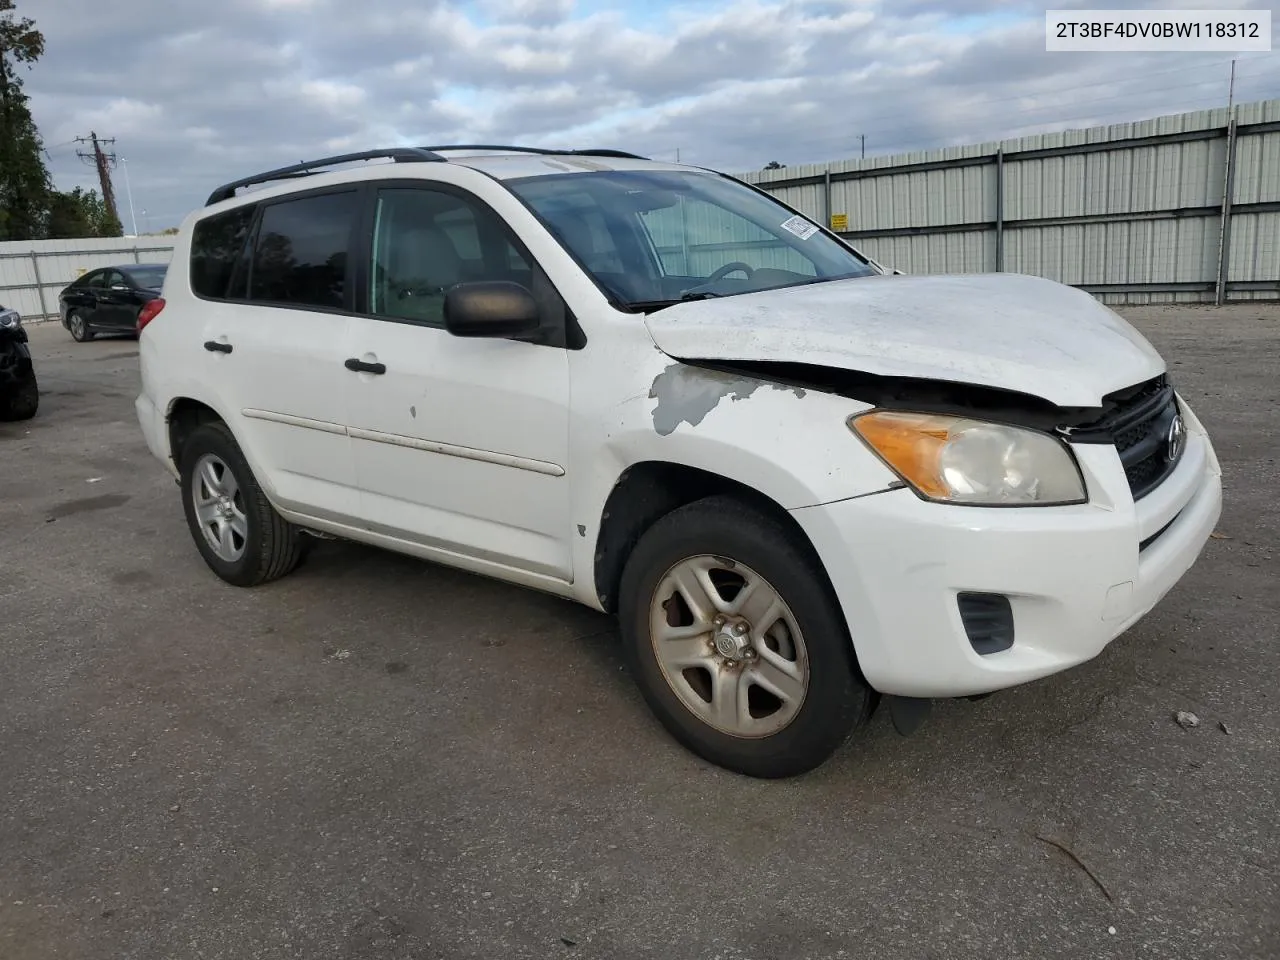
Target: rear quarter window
[216, 244]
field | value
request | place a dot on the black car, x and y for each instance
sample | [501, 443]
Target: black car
[19, 395]
[107, 300]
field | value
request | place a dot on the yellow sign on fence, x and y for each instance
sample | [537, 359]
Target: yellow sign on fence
[839, 222]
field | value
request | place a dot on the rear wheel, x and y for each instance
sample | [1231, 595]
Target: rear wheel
[79, 328]
[737, 640]
[22, 401]
[237, 531]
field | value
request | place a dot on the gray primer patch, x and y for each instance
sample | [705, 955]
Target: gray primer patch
[686, 394]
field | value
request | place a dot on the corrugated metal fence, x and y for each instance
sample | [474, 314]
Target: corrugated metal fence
[1132, 212]
[32, 272]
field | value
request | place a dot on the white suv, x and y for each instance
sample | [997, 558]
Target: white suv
[799, 481]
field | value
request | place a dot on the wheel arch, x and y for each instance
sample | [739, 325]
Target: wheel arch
[649, 490]
[184, 415]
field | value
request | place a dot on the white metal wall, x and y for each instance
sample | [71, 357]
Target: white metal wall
[33, 272]
[1155, 207]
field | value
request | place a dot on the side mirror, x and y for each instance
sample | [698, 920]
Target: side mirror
[490, 308]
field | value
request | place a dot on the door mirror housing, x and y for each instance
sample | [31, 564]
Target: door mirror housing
[490, 308]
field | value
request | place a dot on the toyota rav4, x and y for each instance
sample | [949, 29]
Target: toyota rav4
[798, 480]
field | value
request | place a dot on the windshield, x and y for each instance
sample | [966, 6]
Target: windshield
[149, 278]
[654, 237]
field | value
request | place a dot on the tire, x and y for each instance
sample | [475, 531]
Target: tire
[79, 327]
[808, 647]
[22, 401]
[269, 546]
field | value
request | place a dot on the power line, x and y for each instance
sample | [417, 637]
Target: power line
[982, 105]
[1042, 115]
[1011, 131]
[974, 107]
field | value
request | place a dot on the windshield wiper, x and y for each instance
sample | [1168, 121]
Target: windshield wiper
[661, 304]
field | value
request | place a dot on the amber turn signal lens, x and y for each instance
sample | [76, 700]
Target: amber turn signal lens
[911, 444]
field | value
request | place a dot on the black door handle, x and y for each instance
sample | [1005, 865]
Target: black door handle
[361, 367]
[214, 345]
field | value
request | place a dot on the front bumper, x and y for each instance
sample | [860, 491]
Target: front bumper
[1074, 575]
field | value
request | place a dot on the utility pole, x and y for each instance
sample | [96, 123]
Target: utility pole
[862, 137]
[1231, 89]
[104, 162]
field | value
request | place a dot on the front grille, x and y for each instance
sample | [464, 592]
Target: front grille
[1140, 423]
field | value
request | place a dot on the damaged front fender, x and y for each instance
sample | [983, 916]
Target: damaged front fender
[788, 442]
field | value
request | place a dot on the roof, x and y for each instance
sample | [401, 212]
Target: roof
[514, 166]
[130, 265]
[501, 162]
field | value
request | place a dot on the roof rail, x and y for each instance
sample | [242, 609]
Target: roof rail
[398, 154]
[540, 151]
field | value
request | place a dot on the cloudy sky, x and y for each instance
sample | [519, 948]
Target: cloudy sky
[199, 93]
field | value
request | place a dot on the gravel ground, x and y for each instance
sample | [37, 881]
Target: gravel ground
[380, 758]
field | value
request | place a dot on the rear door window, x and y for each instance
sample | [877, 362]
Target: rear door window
[300, 255]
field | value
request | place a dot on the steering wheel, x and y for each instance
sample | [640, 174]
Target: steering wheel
[727, 269]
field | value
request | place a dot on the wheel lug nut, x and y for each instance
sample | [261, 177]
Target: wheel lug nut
[739, 629]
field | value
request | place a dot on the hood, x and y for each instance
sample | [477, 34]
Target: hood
[1001, 330]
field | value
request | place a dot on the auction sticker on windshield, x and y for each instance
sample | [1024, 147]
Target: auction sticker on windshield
[801, 227]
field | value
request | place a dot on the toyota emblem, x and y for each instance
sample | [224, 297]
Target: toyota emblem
[1176, 439]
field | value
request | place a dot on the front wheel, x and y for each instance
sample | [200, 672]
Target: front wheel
[79, 329]
[22, 401]
[237, 531]
[737, 641]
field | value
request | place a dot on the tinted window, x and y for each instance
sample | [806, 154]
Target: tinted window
[300, 255]
[424, 242]
[215, 244]
[148, 277]
[96, 279]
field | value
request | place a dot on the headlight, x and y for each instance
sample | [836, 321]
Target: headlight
[956, 460]
[9, 320]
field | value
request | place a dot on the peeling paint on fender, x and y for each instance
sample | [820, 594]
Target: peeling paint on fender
[686, 394]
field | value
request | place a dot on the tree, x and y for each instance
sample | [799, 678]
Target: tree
[80, 213]
[24, 182]
[771, 165]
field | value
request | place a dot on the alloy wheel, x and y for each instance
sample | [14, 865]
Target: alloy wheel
[219, 508]
[729, 646]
